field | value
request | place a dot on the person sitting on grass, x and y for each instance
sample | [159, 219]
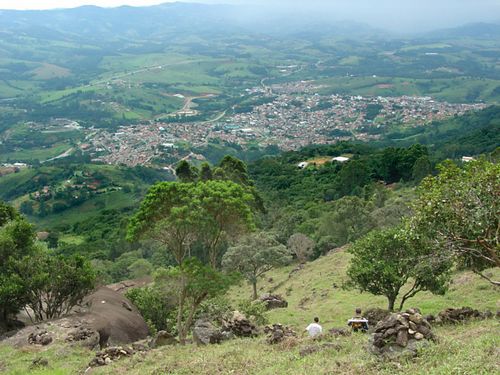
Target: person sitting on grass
[314, 329]
[358, 322]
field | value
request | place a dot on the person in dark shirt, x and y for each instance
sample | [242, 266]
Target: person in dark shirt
[358, 322]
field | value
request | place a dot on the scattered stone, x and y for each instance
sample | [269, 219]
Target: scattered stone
[205, 333]
[108, 355]
[39, 362]
[277, 333]
[274, 301]
[162, 338]
[296, 269]
[311, 349]
[398, 334]
[40, 338]
[339, 332]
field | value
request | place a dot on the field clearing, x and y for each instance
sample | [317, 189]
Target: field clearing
[49, 71]
[456, 90]
[426, 46]
[111, 200]
[351, 60]
[41, 154]
[127, 63]
[321, 160]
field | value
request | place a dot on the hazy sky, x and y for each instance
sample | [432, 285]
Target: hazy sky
[407, 15]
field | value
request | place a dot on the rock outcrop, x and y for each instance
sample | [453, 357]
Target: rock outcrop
[401, 334]
[105, 312]
[274, 301]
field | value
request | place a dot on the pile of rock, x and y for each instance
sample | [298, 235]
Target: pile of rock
[453, 316]
[400, 334]
[278, 332]
[85, 336]
[274, 301]
[40, 338]
[240, 326]
[108, 355]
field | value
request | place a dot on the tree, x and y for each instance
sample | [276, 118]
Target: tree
[458, 210]
[348, 220]
[421, 169]
[206, 172]
[179, 214]
[140, 268]
[7, 213]
[385, 261]
[55, 284]
[301, 245]
[169, 215]
[255, 255]
[31, 276]
[234, 170]
[353, 176]
[185, 172]
[191, 284]
[227, 214]
[17, 240]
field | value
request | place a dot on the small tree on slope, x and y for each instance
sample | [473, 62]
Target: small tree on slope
[385, 261]
[255, 255]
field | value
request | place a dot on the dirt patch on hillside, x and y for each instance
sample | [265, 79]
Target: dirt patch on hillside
[385, 86]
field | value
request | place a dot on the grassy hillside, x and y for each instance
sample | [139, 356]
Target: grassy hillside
[471, 348]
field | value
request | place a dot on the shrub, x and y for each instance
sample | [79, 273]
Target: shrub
[254, 310]
[156, 307]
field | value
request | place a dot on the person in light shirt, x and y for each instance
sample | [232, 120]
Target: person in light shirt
[314, 329]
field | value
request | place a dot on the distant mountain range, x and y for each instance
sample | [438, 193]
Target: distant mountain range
[169, 19]
[473, 30]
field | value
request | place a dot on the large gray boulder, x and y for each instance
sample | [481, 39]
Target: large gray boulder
[204, 333]
[105, 315]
